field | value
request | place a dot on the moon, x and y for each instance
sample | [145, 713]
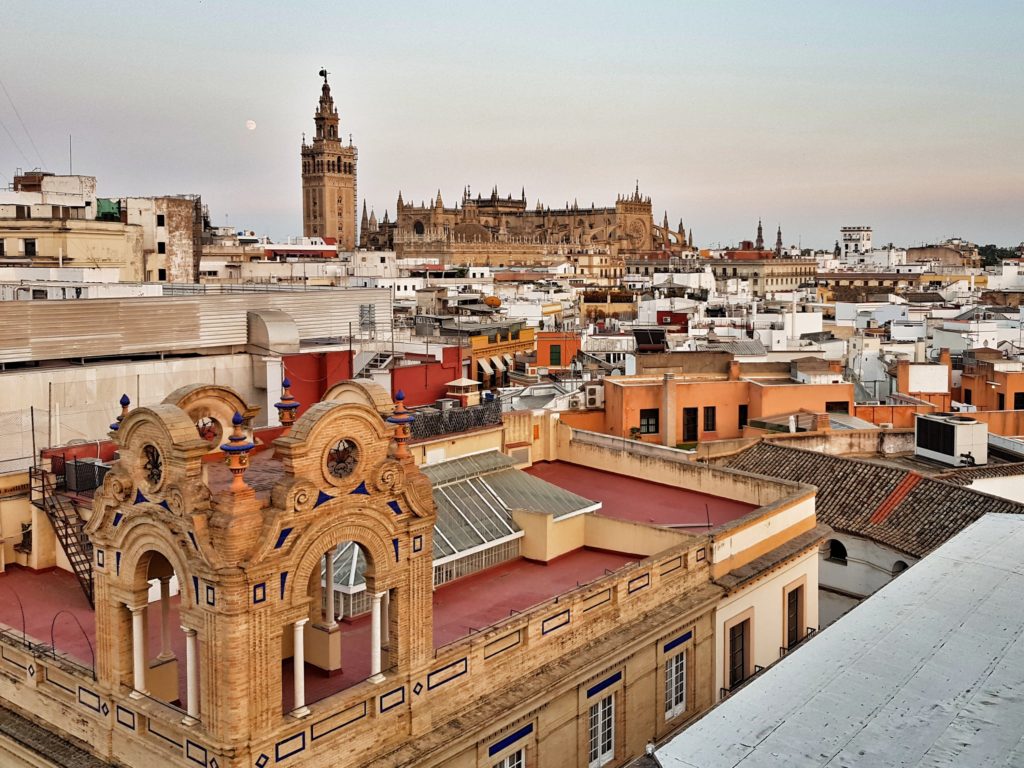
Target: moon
[250, 124]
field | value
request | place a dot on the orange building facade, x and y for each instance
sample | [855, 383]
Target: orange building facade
[675, 410]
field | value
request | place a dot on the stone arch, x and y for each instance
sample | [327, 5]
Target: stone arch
[142, 537]
[173, 435]
[304, 451]
[363, 392]
[417, 227]
[214, 402]
[359, 525]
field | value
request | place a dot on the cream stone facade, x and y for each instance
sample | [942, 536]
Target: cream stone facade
[237, 669]
[52, 242]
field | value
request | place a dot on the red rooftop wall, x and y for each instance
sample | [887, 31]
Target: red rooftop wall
[425, 383]
[312, 373]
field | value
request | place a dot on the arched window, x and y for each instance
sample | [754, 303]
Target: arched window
[836, 552]
[418, 227]
[898, 567]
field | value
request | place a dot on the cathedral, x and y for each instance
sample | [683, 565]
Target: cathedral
[626, 225]
[477, 229]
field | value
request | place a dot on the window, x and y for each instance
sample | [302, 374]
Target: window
[383, 260]
[556, 354]
[160, 220]
[161, 274]
[1018, 397]
[743, 416]
[1, 246]
[161, 247]
[836, 552]
[1000, 401]
[516, 760]
[709, 418]
[737, 655]
[30, 247]
[602, 732]
[837, 406]
[968, 396]
[794, 616]
[675, 685]
[649, 421]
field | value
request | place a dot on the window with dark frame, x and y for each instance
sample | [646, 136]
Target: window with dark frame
[710, 418]
[794, 616]
[738, 652]
[649, 421]
[743, 416]
[30, 247]
[1018, 397]
[161, 247]
[160, 220]
[556, 354]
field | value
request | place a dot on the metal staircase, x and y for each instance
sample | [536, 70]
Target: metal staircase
[372, 361]
[67, 524]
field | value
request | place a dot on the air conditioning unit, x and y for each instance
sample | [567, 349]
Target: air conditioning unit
[575, 402]
[886, 425]
[958, 441]
[446, 403]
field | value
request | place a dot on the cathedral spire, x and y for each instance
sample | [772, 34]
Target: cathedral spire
[438, 202]
[664, 223]
[778, 242]
[759, 243]
[400, 201]
[364, 221]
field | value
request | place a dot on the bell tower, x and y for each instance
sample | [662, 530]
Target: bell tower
[329, 177]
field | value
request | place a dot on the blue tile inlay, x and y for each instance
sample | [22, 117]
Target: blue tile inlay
[361, 488]
[259, 592]
[321, 498]
[509, 740]
[284, 580]
[281, 537]
[394, 507]
[394, 543]
[117, 518]
[596, 689]
[676, 642]
[139, 498]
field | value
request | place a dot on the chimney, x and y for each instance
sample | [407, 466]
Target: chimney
[668, 410]
[734, 370]
[946, 360]
[835, 366]
[821, 422]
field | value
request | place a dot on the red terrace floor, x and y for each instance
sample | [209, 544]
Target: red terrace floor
[477, 601]
[464, 605]
[630, 498]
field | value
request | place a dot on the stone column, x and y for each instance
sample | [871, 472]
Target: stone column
[165, 624]
[375, 674]
[329, 618]
[191, 677]
[138, 651]
[385, 620]
[299, 658]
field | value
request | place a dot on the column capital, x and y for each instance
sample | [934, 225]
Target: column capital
[189, 632]
[300, 622]
[136, 608]
[378, 595]
[164, 579]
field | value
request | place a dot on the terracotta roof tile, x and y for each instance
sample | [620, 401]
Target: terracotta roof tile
[881, 503]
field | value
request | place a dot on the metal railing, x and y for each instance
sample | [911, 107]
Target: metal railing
[725, 692]
[434, 422]
[785, 649]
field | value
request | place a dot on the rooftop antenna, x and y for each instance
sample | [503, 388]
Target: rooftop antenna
[71, 166]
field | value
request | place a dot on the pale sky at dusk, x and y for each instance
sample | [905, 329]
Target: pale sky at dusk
[907, 116]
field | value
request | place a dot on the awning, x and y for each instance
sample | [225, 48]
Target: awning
[485, 366]
[509, 360]
[499, 363]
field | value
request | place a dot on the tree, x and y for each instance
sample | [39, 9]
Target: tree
[991, 255]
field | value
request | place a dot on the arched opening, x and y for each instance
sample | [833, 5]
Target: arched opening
[347, 622]
[417, 228]
[163, 647]
[898, 567]
[836, 552]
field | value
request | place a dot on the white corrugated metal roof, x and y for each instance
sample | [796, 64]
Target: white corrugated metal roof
[927, 672]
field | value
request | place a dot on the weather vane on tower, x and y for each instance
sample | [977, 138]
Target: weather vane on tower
[323, 73]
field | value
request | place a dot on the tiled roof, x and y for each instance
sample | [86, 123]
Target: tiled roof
[892, 506]
[968, 476]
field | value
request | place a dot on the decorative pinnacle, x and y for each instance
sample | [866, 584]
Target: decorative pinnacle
[125, 401]
[237, 449]
[401, 418]
[286, 409]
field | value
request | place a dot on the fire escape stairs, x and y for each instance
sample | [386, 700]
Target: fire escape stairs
[67, 525]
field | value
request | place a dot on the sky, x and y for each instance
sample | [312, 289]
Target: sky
[905, 116]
